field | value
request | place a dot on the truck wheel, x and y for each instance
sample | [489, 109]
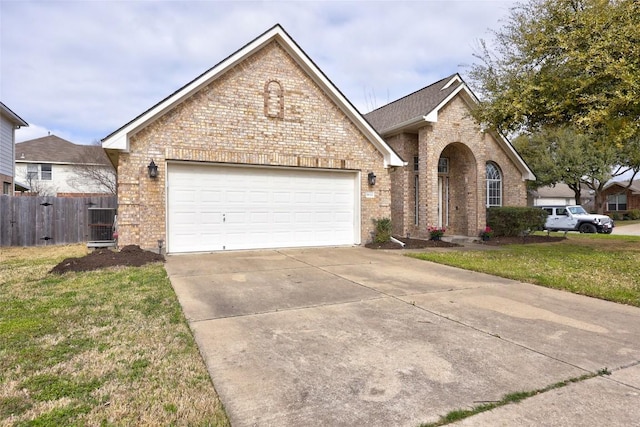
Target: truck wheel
[588, 228]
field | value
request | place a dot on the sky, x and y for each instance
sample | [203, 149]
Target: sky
[82, 69]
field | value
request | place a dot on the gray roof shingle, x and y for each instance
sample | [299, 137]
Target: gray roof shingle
[413, 106]
[53, 149]
[634, 187]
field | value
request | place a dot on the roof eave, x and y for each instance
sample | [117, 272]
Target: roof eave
[119, 140]
[391, 159]
[402, 126]
[14, 118]
[432, 116]
[527, 174]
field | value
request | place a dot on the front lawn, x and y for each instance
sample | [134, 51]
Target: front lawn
[597, 265]
[107, 347]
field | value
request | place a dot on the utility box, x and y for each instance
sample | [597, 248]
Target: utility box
[102, 227]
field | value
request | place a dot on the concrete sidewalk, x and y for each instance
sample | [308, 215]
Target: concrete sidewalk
[351, 336]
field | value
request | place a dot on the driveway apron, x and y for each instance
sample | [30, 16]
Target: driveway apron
[627, 230]
[356, 337]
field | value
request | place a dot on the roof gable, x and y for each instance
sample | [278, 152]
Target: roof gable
[417, 107]
[119, 140]
[53, 149]
[11, 116]
[415, 110]
[634, 187]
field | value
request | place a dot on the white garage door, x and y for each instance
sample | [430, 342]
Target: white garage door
[212, 208]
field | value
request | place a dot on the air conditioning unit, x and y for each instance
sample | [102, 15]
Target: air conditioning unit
[102, 226]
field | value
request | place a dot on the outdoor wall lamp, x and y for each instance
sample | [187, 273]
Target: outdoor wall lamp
[153, 169]
[371, 178]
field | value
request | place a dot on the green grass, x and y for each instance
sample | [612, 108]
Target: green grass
[459, 414]
[108, 347]
[597, 265]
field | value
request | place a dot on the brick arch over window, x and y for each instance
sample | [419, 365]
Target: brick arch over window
[494, 185]
[273, 99]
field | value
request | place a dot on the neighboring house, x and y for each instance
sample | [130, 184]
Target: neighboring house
[9, 122]
[621, 197]
[561, 194]
[52, 166]
[456, 169]
[263, 151]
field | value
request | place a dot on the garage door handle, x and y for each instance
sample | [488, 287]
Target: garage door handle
[224, 218]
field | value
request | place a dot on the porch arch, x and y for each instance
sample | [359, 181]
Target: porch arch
[458, 190]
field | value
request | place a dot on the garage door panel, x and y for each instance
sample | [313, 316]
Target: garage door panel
[281, 217]
[210, 196]
[302, 197]
[303, 218]
[324, 217]
[281, 197]
[217, 207]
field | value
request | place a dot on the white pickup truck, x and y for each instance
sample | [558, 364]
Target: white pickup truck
[575, 218]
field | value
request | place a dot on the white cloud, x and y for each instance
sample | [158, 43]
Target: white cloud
[82, 69]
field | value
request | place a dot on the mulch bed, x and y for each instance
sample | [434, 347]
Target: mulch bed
[494, 241]
[411, 244]
[134, 256]
[130, 255]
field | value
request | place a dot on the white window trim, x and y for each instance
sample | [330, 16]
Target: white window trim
[499, 180]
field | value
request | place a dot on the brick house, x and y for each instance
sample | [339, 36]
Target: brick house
[260, 151]
[263, 151]
[621, 197]
[456, 169]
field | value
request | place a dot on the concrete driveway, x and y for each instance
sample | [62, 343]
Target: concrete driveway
[627, 230]
[355, 337]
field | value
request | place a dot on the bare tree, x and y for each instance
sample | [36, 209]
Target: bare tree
[93, 169]
[38, 187]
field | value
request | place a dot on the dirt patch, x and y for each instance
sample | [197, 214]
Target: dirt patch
[411, 244]
[130, 255]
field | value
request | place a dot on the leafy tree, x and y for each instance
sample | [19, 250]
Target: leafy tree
[562, 154]
[559, 62]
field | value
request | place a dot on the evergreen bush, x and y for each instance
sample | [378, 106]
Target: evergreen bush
[514, 221]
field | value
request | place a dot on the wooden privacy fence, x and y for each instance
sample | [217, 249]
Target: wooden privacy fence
[44, 220]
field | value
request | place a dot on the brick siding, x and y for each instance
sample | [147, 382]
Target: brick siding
[264, 111]
[459, 138]
[633, 200]
[9, 180]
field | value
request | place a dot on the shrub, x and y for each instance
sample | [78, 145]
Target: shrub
[616, 216]
[383, 230]
[634, 214]
[513, 221]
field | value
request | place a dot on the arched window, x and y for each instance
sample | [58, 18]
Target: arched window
[494, 185]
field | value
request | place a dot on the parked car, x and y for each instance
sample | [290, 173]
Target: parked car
[575, 218]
